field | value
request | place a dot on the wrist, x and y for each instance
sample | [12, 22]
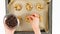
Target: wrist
[37, 31]
[9, 32]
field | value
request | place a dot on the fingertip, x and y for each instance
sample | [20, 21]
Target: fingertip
[31, 17]
[35, 15]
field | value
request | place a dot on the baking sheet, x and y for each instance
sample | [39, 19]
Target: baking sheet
[49, 16]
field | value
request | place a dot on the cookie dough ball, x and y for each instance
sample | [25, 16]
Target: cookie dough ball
[28, 6]
[18, 7]
[27, 19]
[39, 6]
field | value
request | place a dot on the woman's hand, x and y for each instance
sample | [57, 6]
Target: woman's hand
[8, 30]
[10, 24]
[34, 21]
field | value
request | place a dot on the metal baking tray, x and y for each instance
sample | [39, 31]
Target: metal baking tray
[30, 31]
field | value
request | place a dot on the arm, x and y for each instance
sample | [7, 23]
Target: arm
[34, 21]
[10, 23]
[8, 30]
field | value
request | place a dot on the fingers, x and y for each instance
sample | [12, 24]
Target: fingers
[32, 17]
[35, 15]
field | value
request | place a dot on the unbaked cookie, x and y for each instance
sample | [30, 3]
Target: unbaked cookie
[28, 6]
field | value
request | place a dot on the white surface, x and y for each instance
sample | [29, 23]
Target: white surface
[55, 17]
[2, 14]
